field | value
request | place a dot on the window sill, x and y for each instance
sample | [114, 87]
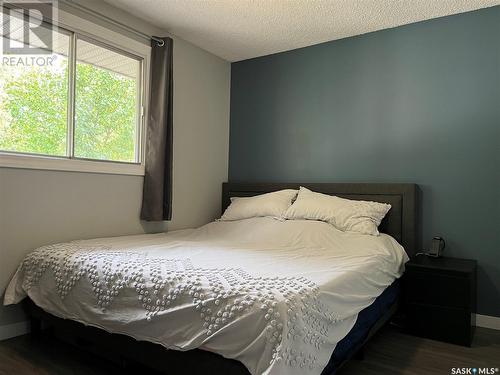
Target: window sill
[22, 161]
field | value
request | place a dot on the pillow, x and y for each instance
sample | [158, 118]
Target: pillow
[270, 204]
[344, 214]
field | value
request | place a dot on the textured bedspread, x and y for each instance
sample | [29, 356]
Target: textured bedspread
[277, 296]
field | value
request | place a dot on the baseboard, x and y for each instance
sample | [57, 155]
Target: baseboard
[15, 329]
[487, 321]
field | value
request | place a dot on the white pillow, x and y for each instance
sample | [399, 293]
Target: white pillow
[270, 204]
[344, 214]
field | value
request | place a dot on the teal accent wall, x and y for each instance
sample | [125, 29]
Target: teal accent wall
[418, 103]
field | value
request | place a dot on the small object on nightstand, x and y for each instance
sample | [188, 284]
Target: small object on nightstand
[437, 246]
[440, 298]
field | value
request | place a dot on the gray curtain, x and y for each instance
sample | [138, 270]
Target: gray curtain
[157, 192]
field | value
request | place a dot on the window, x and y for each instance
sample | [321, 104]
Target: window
[82, 102]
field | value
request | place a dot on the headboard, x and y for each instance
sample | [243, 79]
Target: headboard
[400, 222]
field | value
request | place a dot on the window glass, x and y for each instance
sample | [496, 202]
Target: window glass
[106, 103]
[33, 95]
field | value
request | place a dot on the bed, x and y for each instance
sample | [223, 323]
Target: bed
[261, 292]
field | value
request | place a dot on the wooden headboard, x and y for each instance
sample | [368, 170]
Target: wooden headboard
[400, 222]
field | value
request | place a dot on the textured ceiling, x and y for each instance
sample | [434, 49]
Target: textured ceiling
[242, 29]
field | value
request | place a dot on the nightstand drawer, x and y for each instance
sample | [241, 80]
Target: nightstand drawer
[437, 289]
[440, 323]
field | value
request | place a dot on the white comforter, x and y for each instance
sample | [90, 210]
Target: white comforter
[277, 296]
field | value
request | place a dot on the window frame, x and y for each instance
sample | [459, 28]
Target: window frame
[73, 26]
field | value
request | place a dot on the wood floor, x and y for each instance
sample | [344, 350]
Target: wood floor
[395, 353]
[390, 353]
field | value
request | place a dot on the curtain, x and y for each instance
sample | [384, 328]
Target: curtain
[157, 191]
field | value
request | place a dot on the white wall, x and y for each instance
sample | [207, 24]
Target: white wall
[40, 207]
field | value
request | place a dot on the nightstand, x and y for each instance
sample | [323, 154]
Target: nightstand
[440, 298]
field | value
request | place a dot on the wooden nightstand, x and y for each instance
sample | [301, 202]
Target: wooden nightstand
[440, 298]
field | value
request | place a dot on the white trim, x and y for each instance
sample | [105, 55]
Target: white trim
[487, 321]
[70, 142]
[86, 27]
[8, 331]
[70, 165]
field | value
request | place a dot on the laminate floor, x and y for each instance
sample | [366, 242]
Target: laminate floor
[390, 353]
[394, 353]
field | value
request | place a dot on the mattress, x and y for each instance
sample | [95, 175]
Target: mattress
[276, 296]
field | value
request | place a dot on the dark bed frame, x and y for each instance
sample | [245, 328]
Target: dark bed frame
[400, 223]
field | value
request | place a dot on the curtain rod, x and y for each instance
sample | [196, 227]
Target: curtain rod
[71, 3]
